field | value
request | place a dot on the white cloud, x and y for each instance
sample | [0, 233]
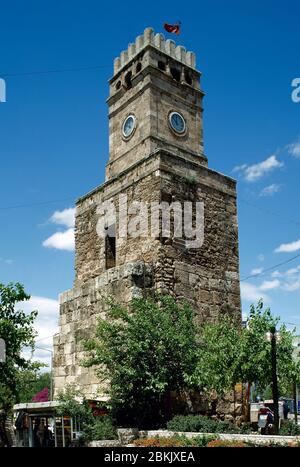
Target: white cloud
[61, 240]
[256, 271]
[65, 217]
[292, 285]
[270, 190]
[288, 247]
[270, 285]
[294, 149]
[45, 325]
[293, 271]
[6, 260]
[261, 257]
[252, 293]
[290, 279]
[276, 274]
[252, 173]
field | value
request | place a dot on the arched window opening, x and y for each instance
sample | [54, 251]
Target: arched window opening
[175, 72]
[128, 82]
[161, 65]
[188, 78]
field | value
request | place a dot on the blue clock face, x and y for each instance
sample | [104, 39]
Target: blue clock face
[128, 126]
[177, 122]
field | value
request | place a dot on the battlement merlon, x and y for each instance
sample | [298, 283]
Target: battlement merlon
[158, 41]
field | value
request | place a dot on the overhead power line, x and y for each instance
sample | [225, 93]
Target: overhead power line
[271, 212]
[276, 266]
[58, 70]
[42, 203]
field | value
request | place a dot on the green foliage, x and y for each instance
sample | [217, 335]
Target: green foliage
[102, 428]
[73, 404]
[31, 382]
[200, 423]
[255, 360]
[177, 441]
[146, 352]
[198, 441]
[217, 365]
[156, 347]
[246, 428]
[193, 423]
[16, 328]
[190, 180]
[229, 354]
[226, 443]
[289, 428]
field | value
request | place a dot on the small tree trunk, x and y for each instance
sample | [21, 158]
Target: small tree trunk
[247, 402]
[295, 402]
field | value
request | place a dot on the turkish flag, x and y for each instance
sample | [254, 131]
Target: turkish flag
[172, 28]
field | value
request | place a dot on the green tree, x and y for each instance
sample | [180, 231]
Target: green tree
[73, 403]
[229, 353]
[217, 366]
[31, 382]
[146, 352]
[16, 329]
[255, 358]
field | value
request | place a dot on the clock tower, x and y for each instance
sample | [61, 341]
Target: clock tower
[155, 102]
[163, 222]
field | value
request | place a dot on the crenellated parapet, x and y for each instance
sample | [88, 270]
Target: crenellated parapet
[158, 41]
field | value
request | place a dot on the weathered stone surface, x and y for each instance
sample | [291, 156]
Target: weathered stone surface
[105, 443]
[153, 166]
[127, 435]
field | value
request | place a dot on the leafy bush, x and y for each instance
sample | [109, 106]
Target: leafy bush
[73, 404]
[246, 428]
[158, 442]
[147, 351]
[200, 423]
[198, 441]
[196, 423]
[102, 428]
[289, 428]
[174, 441]
[227, 427]
[223, 443]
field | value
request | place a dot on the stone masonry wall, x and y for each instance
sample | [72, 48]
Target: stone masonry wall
[207, 277]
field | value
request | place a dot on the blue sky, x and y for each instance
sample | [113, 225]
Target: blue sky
[54, 130]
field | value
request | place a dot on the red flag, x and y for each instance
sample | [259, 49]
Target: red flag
[172, 28]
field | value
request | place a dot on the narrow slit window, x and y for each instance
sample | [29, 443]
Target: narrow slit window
[110, 248]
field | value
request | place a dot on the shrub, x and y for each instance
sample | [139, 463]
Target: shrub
[246, 428]
[223, 443]
[158, 442]
[227, 427]
[289, 428]
[196, 423]
[190, 180]
[199, 441]
[175, 441]
[200, 423]
[102, 428]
